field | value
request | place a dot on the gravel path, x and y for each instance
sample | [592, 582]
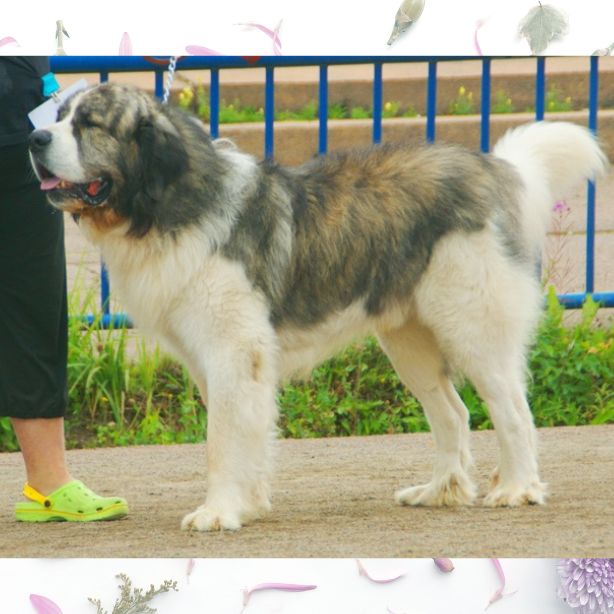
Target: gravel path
[332, 498]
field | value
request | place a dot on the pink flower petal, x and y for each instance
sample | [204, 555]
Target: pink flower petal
[125, 45]
[198, 50]
[272, 34]
[498, 594]
[43, 605]
[190, 568]
[276, 586]
[476, 42]
[363, 572]
[7, 40]
[445, 565]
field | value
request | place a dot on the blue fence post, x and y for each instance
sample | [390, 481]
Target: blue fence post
[540, 89]
[593, 106]
[431, 102]
[485, 104]
[378, 95]
[323, 109]
[214, 103]
[159, 83]
[105, 289]
[269, 112]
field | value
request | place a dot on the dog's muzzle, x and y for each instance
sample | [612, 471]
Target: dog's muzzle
[92, 193]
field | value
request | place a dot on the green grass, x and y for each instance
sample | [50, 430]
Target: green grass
[117, 397]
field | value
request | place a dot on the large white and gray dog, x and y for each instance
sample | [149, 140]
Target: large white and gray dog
[250, 273]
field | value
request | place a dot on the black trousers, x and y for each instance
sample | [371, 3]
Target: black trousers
[33, 309]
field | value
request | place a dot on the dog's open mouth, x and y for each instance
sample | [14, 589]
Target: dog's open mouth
[93, 193]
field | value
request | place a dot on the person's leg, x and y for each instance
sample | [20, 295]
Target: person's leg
[34, 348]
[42, 445]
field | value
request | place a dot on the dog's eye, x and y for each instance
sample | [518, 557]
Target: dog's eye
[90, 120]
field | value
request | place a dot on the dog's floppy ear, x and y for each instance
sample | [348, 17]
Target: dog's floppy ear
[161, 160]
[163, 157]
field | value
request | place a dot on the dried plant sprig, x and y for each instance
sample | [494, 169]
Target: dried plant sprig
[44, 605]
[445, 565]
[363, 572]
[276, 586]
[134, 600]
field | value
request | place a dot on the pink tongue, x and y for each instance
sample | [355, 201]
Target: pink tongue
[50, 183]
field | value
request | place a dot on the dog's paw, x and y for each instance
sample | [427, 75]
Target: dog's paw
[453, 490]
[206, 518]
[516, 495]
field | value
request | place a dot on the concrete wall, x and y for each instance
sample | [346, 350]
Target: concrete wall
[296, 142]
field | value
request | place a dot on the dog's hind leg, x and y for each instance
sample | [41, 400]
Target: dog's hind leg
[516, 480]
[415, 355]
[483, 308]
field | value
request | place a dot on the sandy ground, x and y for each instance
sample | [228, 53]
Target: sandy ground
[332, 498]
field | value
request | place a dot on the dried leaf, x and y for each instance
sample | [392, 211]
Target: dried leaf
[542, 25]
[44, 605]
[408, 13]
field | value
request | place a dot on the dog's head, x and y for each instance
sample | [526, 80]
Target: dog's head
[113, 155]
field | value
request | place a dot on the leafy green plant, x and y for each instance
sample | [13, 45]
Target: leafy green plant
[463, 103]
[556, 103]
[359, 112]
[502, 103]
[391, 109]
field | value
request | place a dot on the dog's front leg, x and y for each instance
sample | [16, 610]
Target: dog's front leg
[241, 418]
[241, 389]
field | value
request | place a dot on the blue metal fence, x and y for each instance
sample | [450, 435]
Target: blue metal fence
[105, 65]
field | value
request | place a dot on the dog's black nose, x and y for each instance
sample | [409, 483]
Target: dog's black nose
[39, 139]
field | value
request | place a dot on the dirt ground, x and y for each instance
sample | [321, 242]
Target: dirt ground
[332, 498]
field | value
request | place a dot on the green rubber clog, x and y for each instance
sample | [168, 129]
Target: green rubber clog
[73, 502]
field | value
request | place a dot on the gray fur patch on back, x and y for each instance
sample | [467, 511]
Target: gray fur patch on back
[363, 224]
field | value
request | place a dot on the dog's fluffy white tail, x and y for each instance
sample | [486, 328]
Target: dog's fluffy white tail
[553, 158]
